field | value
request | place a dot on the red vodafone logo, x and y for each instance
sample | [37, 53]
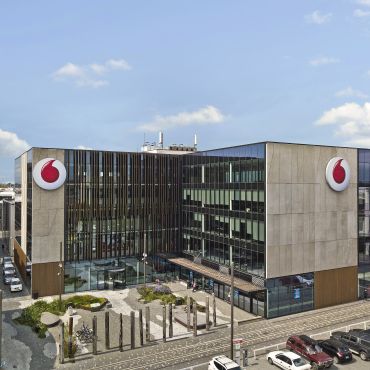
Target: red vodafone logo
[49, 174]
[338, 173]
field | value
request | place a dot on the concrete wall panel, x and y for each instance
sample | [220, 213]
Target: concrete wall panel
[310, 226]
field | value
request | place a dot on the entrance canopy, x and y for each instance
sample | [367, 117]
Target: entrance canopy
[239, 284]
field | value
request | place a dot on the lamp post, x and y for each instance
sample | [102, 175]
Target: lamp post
[144, 260]
[60, 265]
[232, 311]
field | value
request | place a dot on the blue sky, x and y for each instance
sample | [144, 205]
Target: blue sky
[102, 74]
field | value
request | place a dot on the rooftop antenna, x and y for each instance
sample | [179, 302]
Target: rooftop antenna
[195, 141]
[160, 143]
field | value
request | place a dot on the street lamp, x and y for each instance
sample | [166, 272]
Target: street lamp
[60, 265]
[232, 311]
[144, 260]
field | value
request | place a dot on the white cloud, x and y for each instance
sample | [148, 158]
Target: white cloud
[364, 2]
[317, 17]
[69, 70]
[118, 64]
[352, 121]
[203, 116]
[359, 13]
[82, 147]
[86, 75]
[350, 92]
[320, 61]
[11, 145]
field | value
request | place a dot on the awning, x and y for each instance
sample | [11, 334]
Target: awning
[240, 284]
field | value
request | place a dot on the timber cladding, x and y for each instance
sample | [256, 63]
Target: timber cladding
[45, 279]
[335, 286]
[20, 259]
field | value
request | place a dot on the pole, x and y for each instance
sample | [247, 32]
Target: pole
[60, 273]
[141, 327]
[170, 329]
[207, 313]
[147, 324]
[132, 315]
[107, 344]
[144, 259]
[232, 312]
[188, 313]
[195, 324]
[120, 339]
[164, 323]
[95, 335]
[70, 340]
[61, 345]
[214, 310]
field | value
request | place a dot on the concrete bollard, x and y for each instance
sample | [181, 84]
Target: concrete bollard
[120, 339]
[95, 335]
[170, 329]
[188, 313]
[61, 345]
[141, 327]
[147, 324]
[107, 343]
[195, 326]
[132, 316]
[214, 310]
[164, 323]
[207, 313]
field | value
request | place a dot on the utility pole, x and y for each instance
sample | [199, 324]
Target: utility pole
[60, 274]
[232, 311]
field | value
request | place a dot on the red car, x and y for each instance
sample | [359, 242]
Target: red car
[309, 349]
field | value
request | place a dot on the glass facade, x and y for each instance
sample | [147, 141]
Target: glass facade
[290, 294]
[113, 202]
[18, 194]
[223, 199]
[363, 220]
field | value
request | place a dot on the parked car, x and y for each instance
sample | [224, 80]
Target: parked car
[310, 350]
[16, 285]
[8, 276]
[7, 260]
[8, 267]
[222, 363]
[287, 360]
[358, 342]
[336, 349]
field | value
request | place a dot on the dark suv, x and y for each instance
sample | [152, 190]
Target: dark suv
[336, 349]
[357, 340]
[310, 349]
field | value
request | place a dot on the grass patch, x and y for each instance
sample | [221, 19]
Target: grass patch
[31, 315]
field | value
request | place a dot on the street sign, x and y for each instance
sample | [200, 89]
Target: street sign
[211, 283]
[297, 293]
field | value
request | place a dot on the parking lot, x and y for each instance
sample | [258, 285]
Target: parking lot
[6, 288]
[261, 364]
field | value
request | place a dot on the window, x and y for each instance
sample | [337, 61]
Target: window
[218, 366]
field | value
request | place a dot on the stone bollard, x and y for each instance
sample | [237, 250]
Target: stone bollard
[107, 344]
[61, 345]
[132, 316]
[147, 324]
[120, 339]
[164, 323]
[95, 335]
[188, 313]
[141, 327]
[195, 326]
[207, 313]
[170, 329]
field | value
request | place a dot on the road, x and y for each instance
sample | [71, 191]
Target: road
[192, 351]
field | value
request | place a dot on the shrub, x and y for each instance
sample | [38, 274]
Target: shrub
[164, 289]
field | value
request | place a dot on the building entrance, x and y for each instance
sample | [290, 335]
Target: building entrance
[111, 279]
